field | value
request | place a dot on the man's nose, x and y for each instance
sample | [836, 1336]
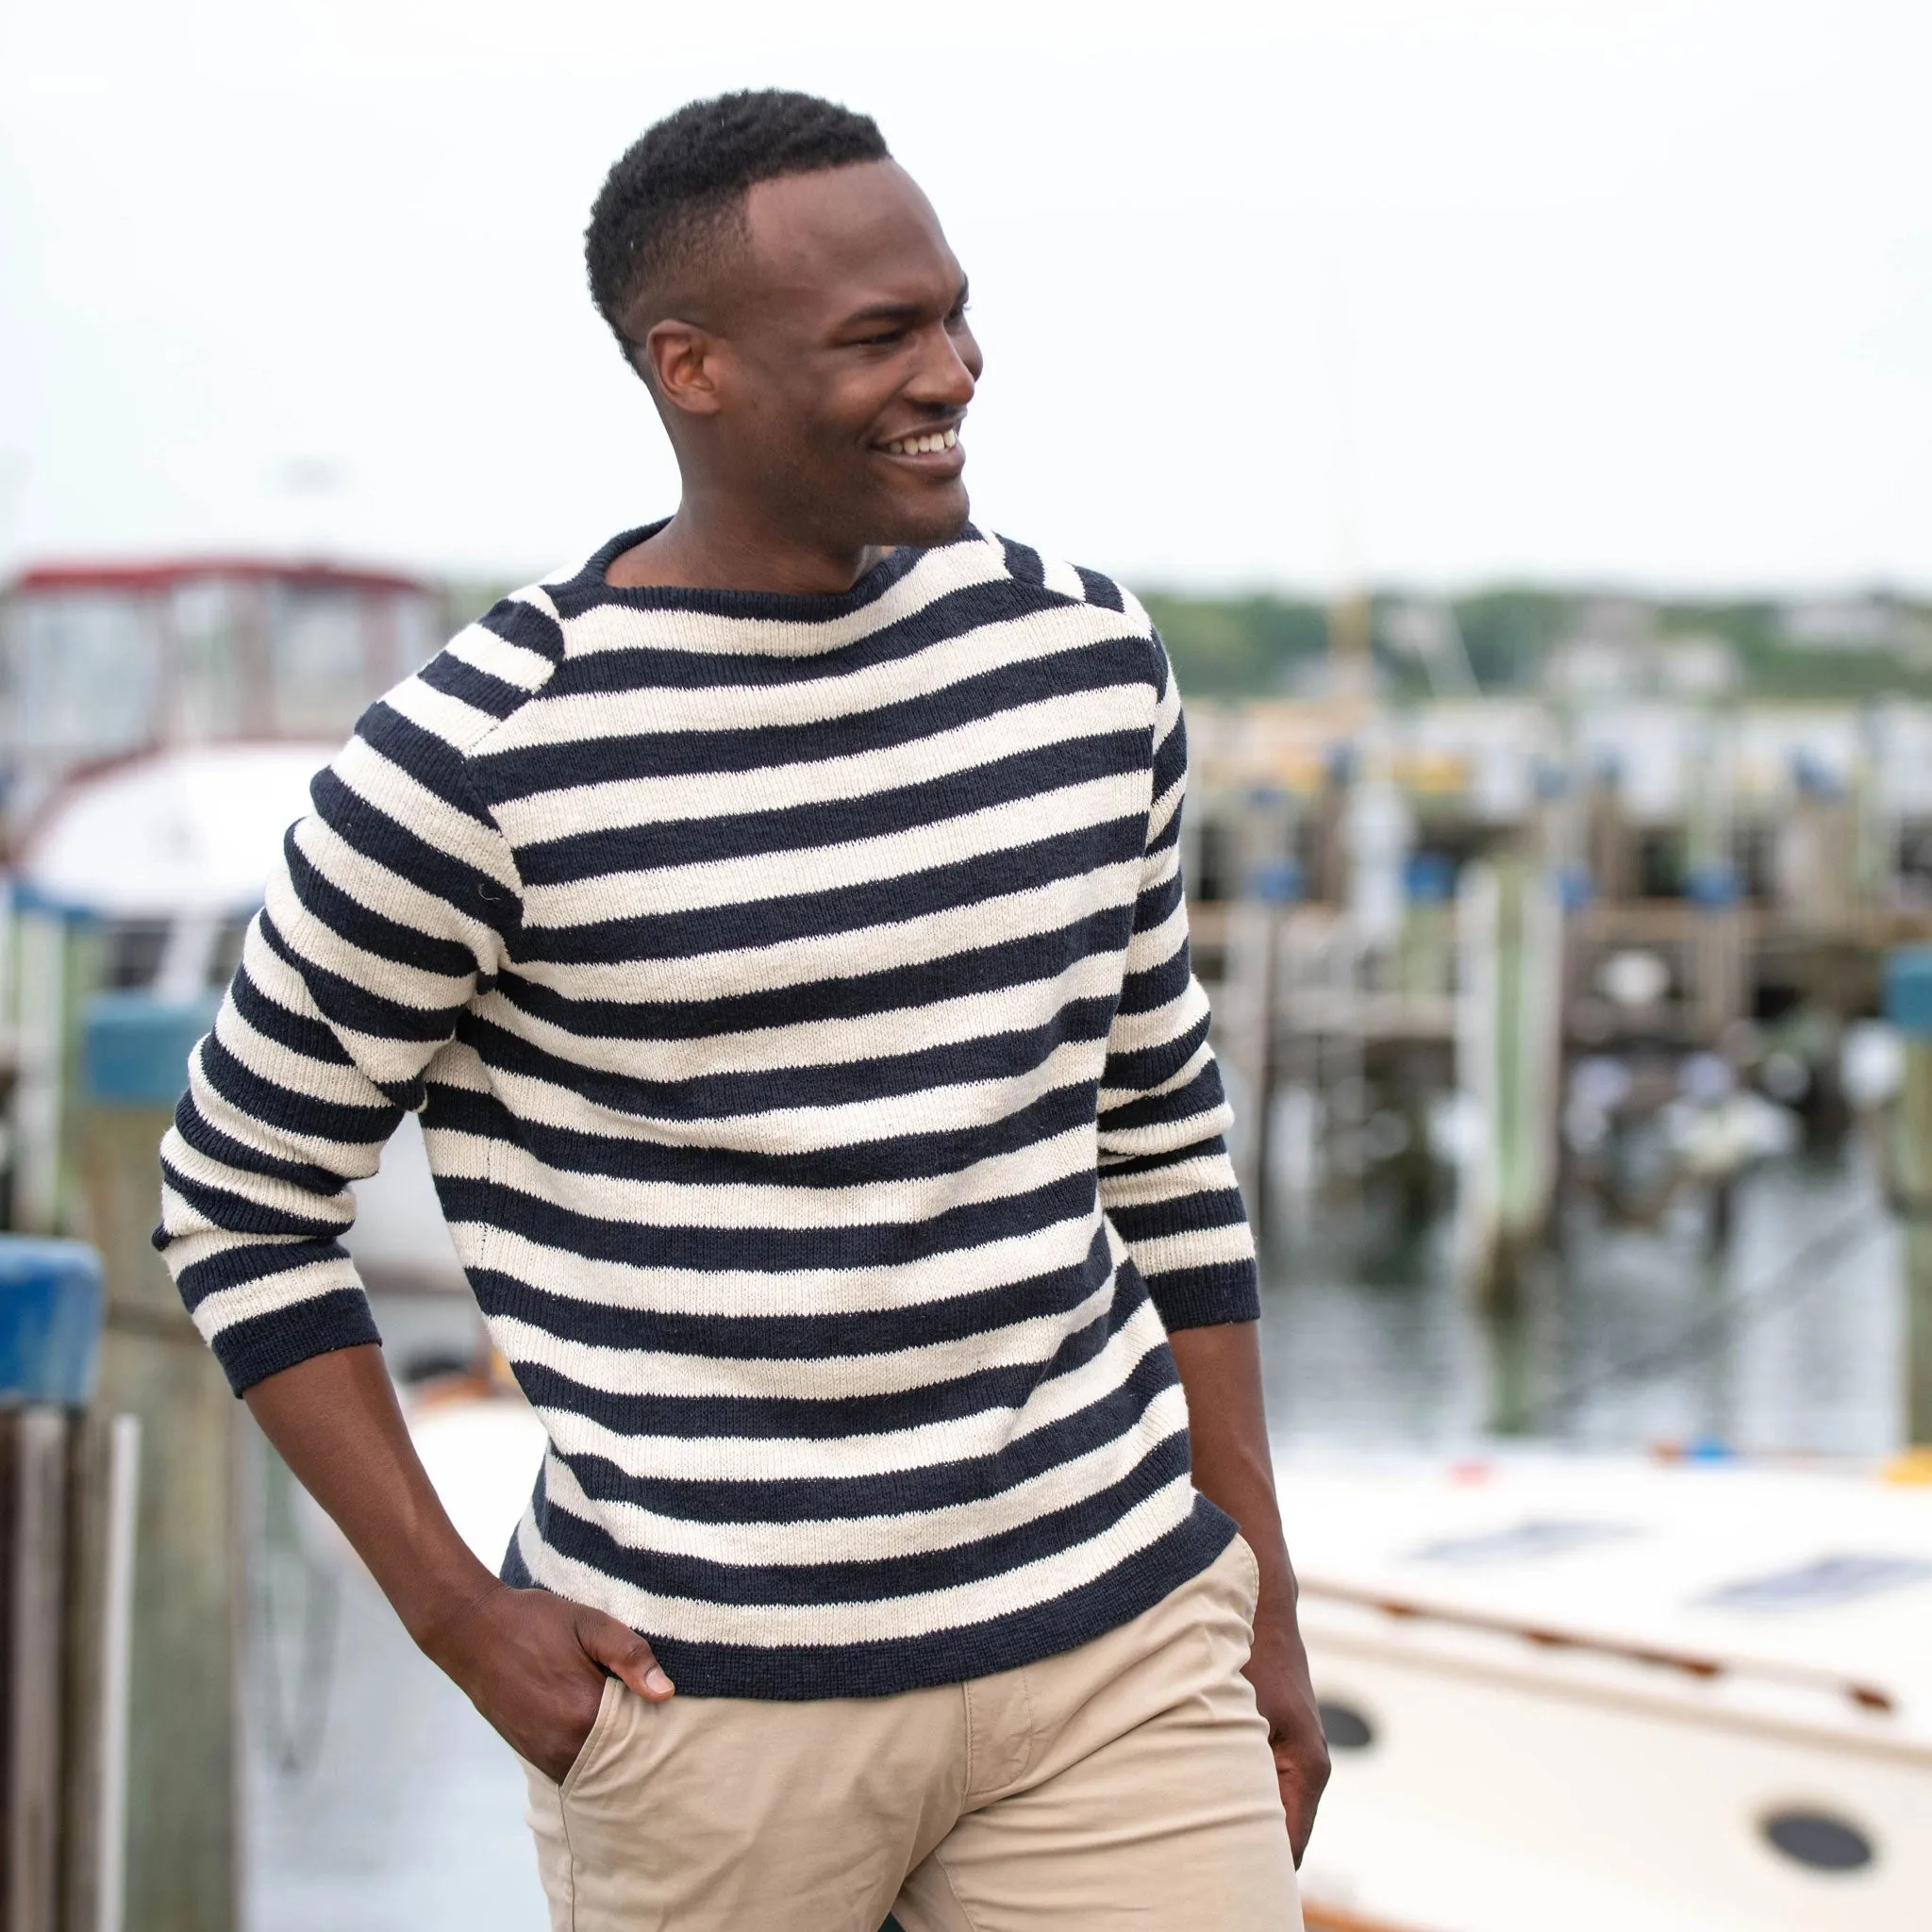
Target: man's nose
[949, 371]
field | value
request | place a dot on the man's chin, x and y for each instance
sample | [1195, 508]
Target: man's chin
[938, 519]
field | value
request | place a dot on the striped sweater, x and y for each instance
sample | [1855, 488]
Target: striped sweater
[796, 997]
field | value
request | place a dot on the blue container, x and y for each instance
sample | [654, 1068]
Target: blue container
[135, 1047]
[50, 1321]
[1713, 887]
[1277, 881]
[1429, 878]
[1908, 991]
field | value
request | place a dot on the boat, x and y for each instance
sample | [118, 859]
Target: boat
[1593, 1694]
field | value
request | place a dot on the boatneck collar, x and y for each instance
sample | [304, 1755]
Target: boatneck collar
[590, 587]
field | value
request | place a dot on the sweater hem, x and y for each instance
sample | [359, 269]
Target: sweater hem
[803, 1673]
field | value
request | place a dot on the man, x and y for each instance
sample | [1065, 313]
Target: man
[777, 923]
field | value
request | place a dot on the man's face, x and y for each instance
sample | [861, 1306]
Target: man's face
[844, 361]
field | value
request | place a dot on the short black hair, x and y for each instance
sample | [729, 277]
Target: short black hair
[680, 186]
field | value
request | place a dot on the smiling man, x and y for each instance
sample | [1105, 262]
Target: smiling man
[777, 923]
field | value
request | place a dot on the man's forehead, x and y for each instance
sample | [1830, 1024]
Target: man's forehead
[846, 234]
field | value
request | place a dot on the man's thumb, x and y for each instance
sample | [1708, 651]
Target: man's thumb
[625, 1655]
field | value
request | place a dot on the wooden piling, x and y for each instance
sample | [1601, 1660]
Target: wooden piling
[1508, 1054]
[1908, 1007]
[33, 1547]
[183, 1722]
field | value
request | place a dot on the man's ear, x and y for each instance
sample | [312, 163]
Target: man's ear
[681, 363]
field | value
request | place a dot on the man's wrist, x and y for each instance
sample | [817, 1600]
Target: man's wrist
[437, 1610]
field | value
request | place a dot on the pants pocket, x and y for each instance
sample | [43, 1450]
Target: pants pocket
[601, 1726]
[1251, 1579]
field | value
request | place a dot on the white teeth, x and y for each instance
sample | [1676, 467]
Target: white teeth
[950, 437]
[925, 445]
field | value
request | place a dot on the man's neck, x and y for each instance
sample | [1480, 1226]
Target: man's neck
[695, 552]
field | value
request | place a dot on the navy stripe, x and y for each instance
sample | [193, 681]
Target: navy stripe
[766, 1418]
[264, 1345]
[919, 1491]
[858, 1582]
[391, 844]
[832, 822]
[517, 622]
[238, 1267]
[771, 1250]
[844, 908]
[211, 1142]
[1100, 590]
[458, 678]
[950, 976]
[656, 660]
[351, 1007]
[718, 1096]
[301, 1035]
[1186, 1214]
[1106, 667]
[371, 931]
[908, 1157]
[801, 1338]
[1025, 564]
[791, 1672]
[435, 765]
[239, 1214]
[286, 1107]
[1202, 1094]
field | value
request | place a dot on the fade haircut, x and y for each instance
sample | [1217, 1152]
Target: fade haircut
[677, 193]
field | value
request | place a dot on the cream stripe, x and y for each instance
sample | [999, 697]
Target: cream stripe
[860, 951]
[1022, 1007]
[649, 801]
[921, 673]
[273, 1294]
[825, 1378]
[777, 1624]
[796, 1292]
[959, 1438]
[814, 1129]
[623, 628]
[734, 1203]
[834, 868]
[866, 1539]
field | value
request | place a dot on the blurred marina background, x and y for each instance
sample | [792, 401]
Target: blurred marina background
[1518, 419]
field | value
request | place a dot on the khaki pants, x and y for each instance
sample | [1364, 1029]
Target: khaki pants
[1124, 1783]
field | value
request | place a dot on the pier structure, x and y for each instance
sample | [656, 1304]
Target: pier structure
[1474, 936]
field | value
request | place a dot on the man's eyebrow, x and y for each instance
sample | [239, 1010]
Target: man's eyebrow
[900, 311]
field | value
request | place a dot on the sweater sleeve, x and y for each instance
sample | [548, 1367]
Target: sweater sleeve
[1166, 1181]
[386, 911]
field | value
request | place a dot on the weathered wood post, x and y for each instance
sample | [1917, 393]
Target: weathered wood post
[1509, 935]
[1908, 1007]
[183, 1847]
[51, 1792]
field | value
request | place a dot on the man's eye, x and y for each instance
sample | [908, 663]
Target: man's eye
[880, 341]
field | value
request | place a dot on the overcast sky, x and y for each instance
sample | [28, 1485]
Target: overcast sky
[1437, 291]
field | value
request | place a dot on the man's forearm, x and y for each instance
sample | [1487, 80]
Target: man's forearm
[1220, 1372]
[337, 1424]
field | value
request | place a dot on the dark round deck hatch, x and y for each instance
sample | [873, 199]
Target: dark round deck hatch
[1346, 1727]
[1818, 1840]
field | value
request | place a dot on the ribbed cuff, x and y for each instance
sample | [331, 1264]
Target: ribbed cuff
[1205, 1297]
[252, 1350]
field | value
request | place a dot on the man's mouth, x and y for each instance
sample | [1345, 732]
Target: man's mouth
[928, 442]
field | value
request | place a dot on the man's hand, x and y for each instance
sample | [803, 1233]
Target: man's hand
[1220, 1371]
[1278, 1669]
[535, 1664]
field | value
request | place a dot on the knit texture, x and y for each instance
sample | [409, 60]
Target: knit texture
[795, 993]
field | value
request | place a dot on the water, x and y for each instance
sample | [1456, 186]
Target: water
[379, 1800]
